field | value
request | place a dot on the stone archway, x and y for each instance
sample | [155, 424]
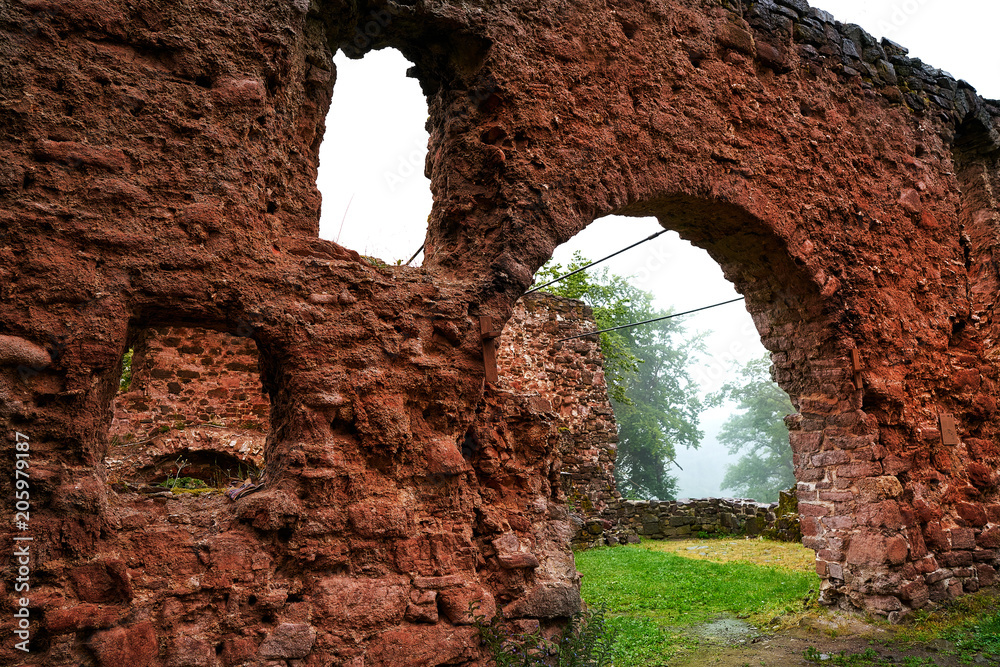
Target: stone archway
[159, 170]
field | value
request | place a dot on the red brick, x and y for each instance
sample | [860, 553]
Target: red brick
[838, 522]
[831, 457]
[987, 574]
[896, 549]
[974, 514]
[936, 537]
[803, 442]
[866, 549]
[813, 509]
[963, 538]
[836, 496]
[134, 646]
[859, 469]
[989, 539]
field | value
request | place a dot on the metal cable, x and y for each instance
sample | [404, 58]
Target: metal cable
[655, 319]
[583, 268]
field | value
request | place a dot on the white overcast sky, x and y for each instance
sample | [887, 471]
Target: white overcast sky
[376, 199]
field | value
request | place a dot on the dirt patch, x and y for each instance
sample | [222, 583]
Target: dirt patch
[729, 644]
[787, 555]
[730, 631]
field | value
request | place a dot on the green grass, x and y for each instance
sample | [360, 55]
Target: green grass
[979, 635]
[652, 596]
[972, 622]
[868, 658]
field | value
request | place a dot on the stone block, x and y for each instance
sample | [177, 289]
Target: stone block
[289, 641]
[963, 538]
[867, 549]
[133, 646]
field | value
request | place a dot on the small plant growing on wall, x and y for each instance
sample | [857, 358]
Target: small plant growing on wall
[125, 381]
[586, 641]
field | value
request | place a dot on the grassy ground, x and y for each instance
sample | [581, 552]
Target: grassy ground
[653, 594]
[660, 595]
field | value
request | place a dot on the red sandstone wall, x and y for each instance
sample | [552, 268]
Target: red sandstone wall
[193, 392]
[195, 376]
[158, 169]
[570, 376]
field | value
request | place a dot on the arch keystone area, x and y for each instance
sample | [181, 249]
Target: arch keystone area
[158, 171]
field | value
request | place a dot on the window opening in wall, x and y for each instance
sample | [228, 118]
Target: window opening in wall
[191, 414]
[712, 364]
[376, 199]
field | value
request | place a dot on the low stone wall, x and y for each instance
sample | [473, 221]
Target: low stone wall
[628, 520]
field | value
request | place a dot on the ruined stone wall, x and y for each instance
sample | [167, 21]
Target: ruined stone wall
[193, 376]
[193, 393]
[158, 170]
[661, 520]
[569, 375]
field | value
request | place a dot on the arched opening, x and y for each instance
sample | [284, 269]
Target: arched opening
[191, 413]
[706, 374]
[376, 198]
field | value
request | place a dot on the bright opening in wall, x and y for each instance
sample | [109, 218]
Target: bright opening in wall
[682, 277]
[376, 199]
[191, 413]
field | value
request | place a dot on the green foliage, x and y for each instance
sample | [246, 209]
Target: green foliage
[586, 641]
[758, 432]
[184, 483]
[375, 261]
[125, 381]
[655, 400]
[978, 635]
[867, 658]
[652, 596]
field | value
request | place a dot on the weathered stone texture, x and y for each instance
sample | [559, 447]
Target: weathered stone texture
[568, 377]
[195, 395]
[158, 170]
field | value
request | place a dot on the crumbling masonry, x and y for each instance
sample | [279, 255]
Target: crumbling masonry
[158, 170]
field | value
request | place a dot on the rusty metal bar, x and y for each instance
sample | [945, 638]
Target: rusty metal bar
[415, 255]
[856, 367]
[655, 319]
[949, 430]
[489, 330]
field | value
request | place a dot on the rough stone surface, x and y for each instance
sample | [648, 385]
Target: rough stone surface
[289, 640]
[158, 170]
[568, 378]
[195, 395]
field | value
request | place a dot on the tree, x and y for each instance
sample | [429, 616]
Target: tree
[758, 432]
[655, 400]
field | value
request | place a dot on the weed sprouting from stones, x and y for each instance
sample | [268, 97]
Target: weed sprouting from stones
[586, 641]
